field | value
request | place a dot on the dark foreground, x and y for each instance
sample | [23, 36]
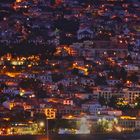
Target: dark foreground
[132, 136]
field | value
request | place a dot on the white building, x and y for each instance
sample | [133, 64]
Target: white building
[131, 95]
[85, 33]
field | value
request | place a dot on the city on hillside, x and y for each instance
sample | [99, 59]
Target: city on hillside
[69, 66]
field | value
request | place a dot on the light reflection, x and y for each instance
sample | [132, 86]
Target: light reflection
[43, 138]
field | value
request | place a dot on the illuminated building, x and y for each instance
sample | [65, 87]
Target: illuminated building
[131, 95]
[50, 113]
[129, 123]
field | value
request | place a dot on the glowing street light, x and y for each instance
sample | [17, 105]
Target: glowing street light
[41, 124]
[18, 1]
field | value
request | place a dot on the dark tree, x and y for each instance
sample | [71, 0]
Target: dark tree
[112, 102]
[134, 78]
[137, 103]
[57, 77]
[123, 74]
[100, 80]
[75, 71]
[30, 83]
[102, 101]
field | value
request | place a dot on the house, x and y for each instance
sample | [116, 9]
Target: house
[68, 110]
[50, 113]
[85, 33]
[83, 95]
[68, 102]
[131, 94]
[128, 123]
[111, 112]
[113, 82]
[107, 93]
[86, 82]
[43, 77]
[93, 107]
[131, 68]
[17, 103]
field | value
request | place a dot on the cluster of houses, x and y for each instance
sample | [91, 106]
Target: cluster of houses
[96, 57]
